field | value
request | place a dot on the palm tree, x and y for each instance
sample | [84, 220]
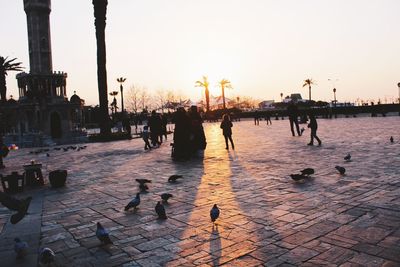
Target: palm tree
[205, 84]
[308, 82]
[7, 65]
[224, 83]
[100, 10]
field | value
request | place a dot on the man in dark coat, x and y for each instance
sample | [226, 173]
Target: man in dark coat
[293, 111]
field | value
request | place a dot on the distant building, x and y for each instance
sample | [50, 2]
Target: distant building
[294, 97]
[267, 104]
[43, 110]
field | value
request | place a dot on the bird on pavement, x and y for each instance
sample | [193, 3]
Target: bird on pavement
[13, 203]
[307, 171]
[348, 157]
[20, 248]
[160, 210]
[297, 177]
[173, 178]
[143, 187]
[340, 169]
[391, 139]
[133, 203]
[21, 206]
[46, 256]
[143, 181]
[102, 234]
[214, 213]
[166, 196]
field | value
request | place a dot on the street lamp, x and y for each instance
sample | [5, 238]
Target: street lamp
[334, 97]
[121, 81]
[398, 85]
[114, 102]
[281, 97]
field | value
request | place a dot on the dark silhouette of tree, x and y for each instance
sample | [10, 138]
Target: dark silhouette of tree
[204, 83]
[224, 83]
[100, 10]
[308, 82]
[5, 66]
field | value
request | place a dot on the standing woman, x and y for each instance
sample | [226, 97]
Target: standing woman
[226, 126]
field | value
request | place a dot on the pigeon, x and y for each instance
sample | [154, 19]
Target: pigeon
[102, 234]
[143, 181]
[46, 256]
[214, 213]
[340, 169]
[47, 154]
[391, 139]
[348, 157]
[160, 210]
[57, 148]
[298, 177]
[65, 149]
[133, 203]
[143, 187]
[173, 178]
[166, 196]
[14, 204]
[307, 171]
[21, 248]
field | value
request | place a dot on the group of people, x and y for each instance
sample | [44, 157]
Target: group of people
[189, 134]
[155, 130]
[293, 113]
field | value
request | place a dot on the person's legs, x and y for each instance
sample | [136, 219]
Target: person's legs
[311, 138]
[291, 126]
[230, 139]
[297, 127]
[226, 141]
[317, 138]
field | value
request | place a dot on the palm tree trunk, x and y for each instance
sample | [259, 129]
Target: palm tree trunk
[207, 100]
[100, 10]
[223, 96]
[3, 88]
[309, 92]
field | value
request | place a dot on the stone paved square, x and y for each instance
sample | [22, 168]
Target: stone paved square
[266, 219]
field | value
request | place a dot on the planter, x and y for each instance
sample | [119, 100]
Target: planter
[12, 183]
[58, 178]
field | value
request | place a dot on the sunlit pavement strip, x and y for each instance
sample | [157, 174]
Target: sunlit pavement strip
[266, 218]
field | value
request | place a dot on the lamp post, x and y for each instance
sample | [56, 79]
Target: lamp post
[334, 97]
[281, 97]
[114, 103]
[398, 85]
[121, 80]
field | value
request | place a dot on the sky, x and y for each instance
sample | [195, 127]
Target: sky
[264, 47]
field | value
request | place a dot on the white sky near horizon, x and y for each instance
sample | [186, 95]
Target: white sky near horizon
[264, 47]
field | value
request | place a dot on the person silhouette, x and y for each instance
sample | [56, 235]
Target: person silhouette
[293, 114]
[256, 118]
[226, 126]
[313, 125]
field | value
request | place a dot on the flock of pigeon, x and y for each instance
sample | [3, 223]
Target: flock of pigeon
[309, 171]
[65, 149]
[47, 256]
[306, 173]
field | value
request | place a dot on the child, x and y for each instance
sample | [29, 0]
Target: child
[226, 126]
[145, 136]
[313, 126]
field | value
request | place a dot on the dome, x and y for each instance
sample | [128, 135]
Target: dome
[75, 99]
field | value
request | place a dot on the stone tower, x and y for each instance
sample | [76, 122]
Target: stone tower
[37, 15]
[43, 107]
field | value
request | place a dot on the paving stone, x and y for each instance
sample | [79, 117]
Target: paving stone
[266, 218]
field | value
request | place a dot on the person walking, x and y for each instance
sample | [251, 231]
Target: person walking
[256, 118]
[313, 125]
[145, 137]
[293, 114]
[226, 126]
